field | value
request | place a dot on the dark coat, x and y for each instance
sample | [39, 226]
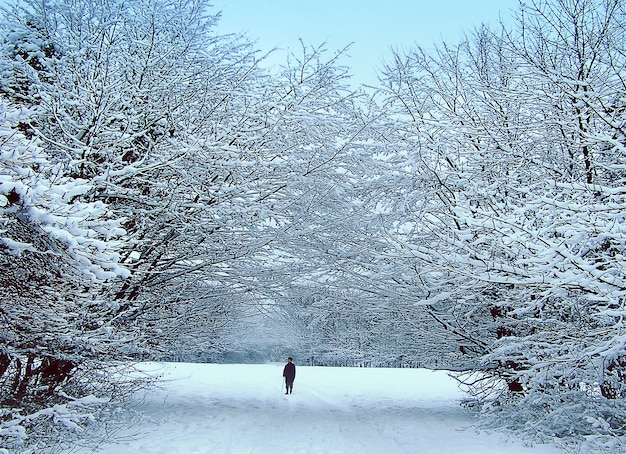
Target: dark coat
[289, 372]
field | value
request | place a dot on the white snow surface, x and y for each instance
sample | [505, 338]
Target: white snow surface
[216, 408]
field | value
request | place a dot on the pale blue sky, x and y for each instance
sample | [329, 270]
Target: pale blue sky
[373, 25]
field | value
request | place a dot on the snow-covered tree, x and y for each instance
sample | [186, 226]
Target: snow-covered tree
[521, 135]
[140, 103]
[127, 107]
[56, 251]
[205, 158]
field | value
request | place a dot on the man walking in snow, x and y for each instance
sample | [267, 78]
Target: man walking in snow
[289, 372]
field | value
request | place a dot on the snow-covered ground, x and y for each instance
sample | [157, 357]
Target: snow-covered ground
[210, 408]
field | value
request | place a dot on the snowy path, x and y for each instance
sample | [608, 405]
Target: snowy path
[204, 408]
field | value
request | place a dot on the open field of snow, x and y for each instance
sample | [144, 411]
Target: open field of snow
[211, 408]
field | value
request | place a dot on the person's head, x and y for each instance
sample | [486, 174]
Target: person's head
[290, 359]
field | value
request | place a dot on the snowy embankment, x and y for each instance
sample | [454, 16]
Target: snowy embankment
[210, 408]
